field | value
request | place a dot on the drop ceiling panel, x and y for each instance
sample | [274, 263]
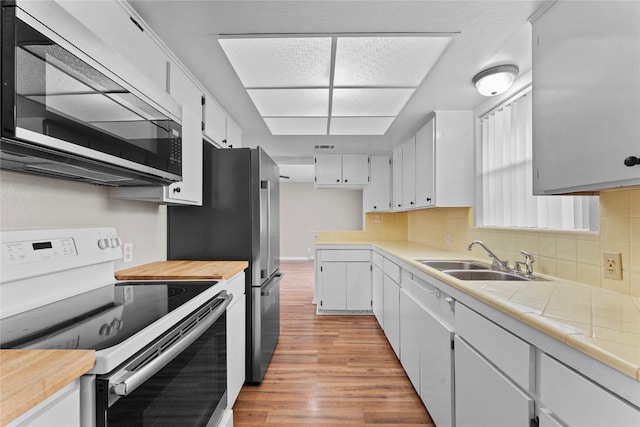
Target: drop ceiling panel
[360, 125]
[290, 102]
[369, 102]
[386, 61]
[279, 61]
[297, 125]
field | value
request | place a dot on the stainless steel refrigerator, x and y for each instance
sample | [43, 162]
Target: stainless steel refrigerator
[238, 220]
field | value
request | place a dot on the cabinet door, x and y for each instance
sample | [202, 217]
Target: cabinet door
[215, 121]
[485, 397]
[189, 96]
[410, 331]
[377, 296]
[235, 349]
[60, 409]
[328, 169]
[397, 178]
[391, 314]
[436, 368]
[234, 134]
[112, 23]
[378, 193]
[409, 174]
[333, 294]
[425, 166]
[585, 111]
[355, 169]
[358, 286]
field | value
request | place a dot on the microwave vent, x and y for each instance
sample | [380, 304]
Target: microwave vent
[76, 172]
[325, 147]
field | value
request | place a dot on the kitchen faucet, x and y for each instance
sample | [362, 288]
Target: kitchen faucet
[497, 262]
[528, 260]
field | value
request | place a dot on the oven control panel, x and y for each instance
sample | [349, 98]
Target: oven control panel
[39, 250]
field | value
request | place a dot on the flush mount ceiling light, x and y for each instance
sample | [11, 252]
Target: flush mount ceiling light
[495, 80]
[332, 84]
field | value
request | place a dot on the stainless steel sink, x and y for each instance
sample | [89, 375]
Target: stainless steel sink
[453, 265]
[484, 275]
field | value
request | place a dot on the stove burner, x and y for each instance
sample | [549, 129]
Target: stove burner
[174, 291]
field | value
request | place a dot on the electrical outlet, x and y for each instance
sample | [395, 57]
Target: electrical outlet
[127, 255]
[612, 264]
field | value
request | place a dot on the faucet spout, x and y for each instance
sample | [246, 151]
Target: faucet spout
[501, 264]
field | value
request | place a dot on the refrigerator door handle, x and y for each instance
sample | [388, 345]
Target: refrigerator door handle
[266, 186]
[266, 290]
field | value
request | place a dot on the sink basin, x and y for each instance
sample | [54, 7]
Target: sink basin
[453, 265]
[483, 275]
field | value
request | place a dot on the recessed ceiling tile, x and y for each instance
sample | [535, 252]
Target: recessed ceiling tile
[291, 102]
[280, 61]
[386, 61]
[369, 102]
[297, 125]
[360, 125]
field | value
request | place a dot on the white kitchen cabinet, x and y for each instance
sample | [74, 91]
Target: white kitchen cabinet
[218, 128]
[341, 170]
[410, 326]
[437, 163]
[586, 101]
[122, 29]
[377, 195]
[425, 170]
[344, 280]
[396, 193]
[391, 304]
[377, 293]
[409, 173]
[189, 190]
[236, 333]
[484, 396]
[559, 387]
[61, 409]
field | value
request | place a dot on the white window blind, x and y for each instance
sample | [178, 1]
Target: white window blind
[507, 198]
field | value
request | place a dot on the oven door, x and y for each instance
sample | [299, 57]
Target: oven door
[179, 380]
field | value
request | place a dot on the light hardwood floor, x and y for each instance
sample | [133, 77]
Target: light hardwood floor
[328, 370]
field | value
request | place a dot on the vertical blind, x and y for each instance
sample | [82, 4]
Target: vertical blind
[507, 178]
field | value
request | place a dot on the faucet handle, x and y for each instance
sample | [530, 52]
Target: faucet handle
[527, 256]
[529, 259]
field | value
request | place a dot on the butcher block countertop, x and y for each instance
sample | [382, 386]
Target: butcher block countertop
[28, 377]
[183, 270]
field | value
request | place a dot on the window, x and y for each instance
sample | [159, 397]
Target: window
[506, 197]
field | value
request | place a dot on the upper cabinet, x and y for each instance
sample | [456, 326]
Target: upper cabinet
[435, 167]
[341, 170]
[586, 97]
[217, 127]
[377, 195]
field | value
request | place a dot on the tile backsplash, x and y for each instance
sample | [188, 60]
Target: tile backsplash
[570, 255]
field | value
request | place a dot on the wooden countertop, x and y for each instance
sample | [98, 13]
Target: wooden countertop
[28, 377]
[183, 270]
[598, 322]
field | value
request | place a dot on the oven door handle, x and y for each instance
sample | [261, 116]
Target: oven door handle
[125, 381]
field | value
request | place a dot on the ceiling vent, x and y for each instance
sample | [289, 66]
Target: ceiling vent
[325, 147]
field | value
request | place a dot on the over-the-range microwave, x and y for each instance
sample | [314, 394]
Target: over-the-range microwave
[73, 108]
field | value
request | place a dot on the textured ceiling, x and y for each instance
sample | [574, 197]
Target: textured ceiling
[489, 33]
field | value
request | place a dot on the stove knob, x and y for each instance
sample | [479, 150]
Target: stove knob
[105, 329]
[103, 243]
[115, 242]
[116, 324]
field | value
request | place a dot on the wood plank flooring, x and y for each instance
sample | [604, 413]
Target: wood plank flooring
[328, 370]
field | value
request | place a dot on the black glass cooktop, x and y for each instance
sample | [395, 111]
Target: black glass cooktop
[98, 319]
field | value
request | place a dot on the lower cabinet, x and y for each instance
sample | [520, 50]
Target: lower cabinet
[391, 312]
[344, 280]
[377, 293]
[236, 339]
[484, 396]
[62, 409]
[559, 388]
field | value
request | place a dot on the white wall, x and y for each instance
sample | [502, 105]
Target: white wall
[304, 210]
[28, 202]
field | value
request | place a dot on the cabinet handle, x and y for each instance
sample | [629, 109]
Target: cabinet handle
[346, 180]
[631, 161]
[411, 203]
[375, 207]
[451, 302]
[428, 199]
[176, 190]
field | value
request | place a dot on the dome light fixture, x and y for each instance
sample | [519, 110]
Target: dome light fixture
[495, 80]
